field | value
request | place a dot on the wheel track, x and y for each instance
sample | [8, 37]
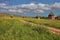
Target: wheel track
[51, 29]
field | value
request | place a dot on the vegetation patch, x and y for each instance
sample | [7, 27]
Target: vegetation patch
[47, 22]
[14, 29]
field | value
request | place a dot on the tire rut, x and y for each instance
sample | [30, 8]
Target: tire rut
[51, 29]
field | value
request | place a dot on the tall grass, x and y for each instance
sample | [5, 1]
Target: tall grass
[13, 29]
[51, 23]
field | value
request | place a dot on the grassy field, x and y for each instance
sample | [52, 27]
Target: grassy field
[14, 29]
[51, 23]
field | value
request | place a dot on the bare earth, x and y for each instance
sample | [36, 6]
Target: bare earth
[54, 30]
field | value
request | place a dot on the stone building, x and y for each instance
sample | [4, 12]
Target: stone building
[51, 16]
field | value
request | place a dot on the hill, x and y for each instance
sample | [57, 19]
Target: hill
[7, 15]
[2, 14]
[14, 29]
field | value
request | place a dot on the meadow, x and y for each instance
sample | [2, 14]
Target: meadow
[46, 22]
[14, 29]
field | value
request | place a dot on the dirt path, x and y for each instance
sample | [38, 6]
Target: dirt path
[54, 30]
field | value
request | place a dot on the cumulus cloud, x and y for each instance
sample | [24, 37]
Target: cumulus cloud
[3, 4]
[56, 6]
[36, 8]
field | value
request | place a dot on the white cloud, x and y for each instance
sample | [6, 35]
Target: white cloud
[56, 5]
[12, 10]
[3, 4]
[38, 11]
[37, 8]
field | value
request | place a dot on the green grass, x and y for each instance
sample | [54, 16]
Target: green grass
[51, 23]
[13, 29]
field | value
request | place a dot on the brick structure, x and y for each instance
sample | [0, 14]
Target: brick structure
[51, 16]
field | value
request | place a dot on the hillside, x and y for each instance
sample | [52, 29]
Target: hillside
[3, 14]
[46, 22]
[14, 29]
[8, 16]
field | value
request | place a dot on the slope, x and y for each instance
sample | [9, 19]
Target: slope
[14, 29]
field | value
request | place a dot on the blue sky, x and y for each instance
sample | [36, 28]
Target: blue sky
[16, 2]
[43, 2]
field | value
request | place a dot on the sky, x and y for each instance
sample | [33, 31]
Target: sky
[30, 7]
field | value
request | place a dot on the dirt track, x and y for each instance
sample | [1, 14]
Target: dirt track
[54, 30]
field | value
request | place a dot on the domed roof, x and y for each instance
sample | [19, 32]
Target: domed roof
[51, 14]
